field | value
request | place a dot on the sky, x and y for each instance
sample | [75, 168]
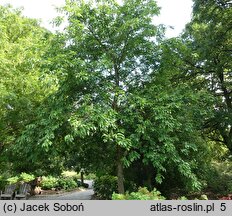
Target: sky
[175, 13]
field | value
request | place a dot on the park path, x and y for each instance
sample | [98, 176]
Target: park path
[74, 195]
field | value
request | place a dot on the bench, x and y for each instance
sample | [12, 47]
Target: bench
[8, 192]
[24, 191]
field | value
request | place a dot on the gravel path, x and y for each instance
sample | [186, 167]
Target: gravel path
[74, 195]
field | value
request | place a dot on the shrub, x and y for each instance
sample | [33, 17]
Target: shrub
[202, 197]
[25, 177]
[67, 183]
[130, 186]
[104, 186]
[141, 194]
[69, 174]
[13, 180]
[6, 180]
[219, 179]
[182, 198]
[49, 182]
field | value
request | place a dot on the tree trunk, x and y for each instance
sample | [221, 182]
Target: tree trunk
[119, 150]
[82, 177]
[229, 144]
[120, 174]
[227, 138]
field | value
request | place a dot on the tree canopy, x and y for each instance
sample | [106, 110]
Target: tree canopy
[23, 86]
[209, 38]
[111, 94]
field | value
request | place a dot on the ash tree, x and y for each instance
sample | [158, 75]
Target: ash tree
[117, 107]
[112, 51]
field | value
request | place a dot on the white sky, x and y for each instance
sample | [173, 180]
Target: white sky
[175, 13]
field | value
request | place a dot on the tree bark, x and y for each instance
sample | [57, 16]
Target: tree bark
[119, 150]
[120, 173]
[82, 177]
[227, 136]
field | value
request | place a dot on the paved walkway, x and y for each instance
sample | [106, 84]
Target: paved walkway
[77, 195]
[74, 195]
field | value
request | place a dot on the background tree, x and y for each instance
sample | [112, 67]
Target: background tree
[208, 37]
[23, 85]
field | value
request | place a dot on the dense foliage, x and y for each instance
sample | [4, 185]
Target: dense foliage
[208, 37]
[23, 84]
[111, 95]
[141, 194]
[58, 183]
[105, 186]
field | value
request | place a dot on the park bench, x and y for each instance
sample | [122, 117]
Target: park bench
[8, 192]
[24, 191]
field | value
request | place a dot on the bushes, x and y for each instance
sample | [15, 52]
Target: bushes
[25, 177]
[144, 194]
[12, 180]
[105, 186]
[141, 194]
[51, 182]
[6, 180]
[219, 178]
[67, 183]
[47, 183]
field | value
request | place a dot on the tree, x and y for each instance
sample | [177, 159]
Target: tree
[110, 48]
[208, 36]
[23, 85]
[178, 111]
[119, 106]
